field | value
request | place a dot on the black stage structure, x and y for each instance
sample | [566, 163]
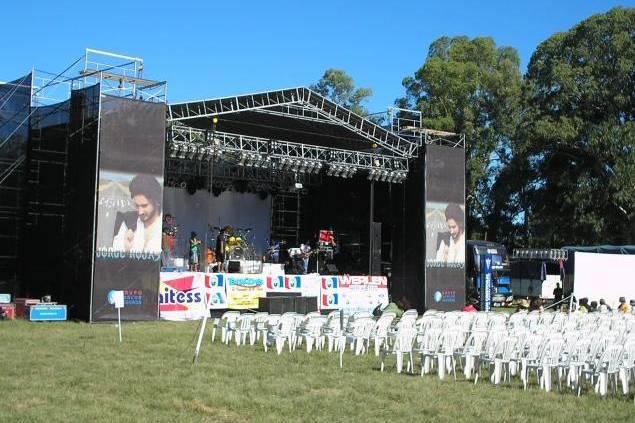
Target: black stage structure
[382, 188]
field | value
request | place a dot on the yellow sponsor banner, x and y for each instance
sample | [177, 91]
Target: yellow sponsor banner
[243, 291]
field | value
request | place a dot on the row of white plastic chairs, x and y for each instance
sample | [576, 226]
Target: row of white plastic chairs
[578, 348]
[595, 348]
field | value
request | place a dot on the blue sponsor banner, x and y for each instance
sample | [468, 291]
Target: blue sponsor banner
[42, 313]
[486, 286]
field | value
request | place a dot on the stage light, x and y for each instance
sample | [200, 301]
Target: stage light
[214, 120]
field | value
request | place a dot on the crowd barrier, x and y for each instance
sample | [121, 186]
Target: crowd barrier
[185, 295]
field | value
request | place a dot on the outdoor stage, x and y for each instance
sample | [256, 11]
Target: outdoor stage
[185, 295]
[280, 165]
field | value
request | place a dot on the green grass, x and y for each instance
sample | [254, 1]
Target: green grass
[79, 372]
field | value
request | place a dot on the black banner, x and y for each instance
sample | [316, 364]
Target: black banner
[129, 208]
[444, 228]
[15, 106]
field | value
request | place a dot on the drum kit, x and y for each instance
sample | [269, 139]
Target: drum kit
[239, 243]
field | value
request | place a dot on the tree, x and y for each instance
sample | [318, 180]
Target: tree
[578, 133]
[471, 87]
[339, 87]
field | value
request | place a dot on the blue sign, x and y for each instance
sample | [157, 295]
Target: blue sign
[43, 313]
[486, 286]
[5, 298]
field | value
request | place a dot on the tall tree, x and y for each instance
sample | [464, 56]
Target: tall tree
[339, 87]
[473, 87]
[578, 133]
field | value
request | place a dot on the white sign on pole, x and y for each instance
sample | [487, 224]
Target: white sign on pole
[116, 298]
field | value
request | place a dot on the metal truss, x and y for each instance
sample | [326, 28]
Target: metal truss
[180, 172]
[409, 124]
[317, 108]
[190, 143]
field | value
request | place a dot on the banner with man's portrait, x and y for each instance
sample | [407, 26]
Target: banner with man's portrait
[444, 227]
[129, 208]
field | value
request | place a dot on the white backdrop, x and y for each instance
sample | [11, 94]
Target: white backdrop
[195, 212]
[608, 276]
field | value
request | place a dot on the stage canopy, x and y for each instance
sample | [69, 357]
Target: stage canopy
[291, 130]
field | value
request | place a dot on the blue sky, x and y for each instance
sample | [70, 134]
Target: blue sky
[209, 49]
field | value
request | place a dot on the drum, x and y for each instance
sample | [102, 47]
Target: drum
[237, 253]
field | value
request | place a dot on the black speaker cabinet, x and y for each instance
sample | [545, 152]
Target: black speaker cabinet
[276, 305]
[233, 266]
[263, 304]
[299, 305]
[288, 304]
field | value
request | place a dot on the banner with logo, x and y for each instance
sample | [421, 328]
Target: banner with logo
[284, 284]
[353, 293]
[182, 296]
[444, 228]
[216, 296]
[244, 290]
[185, 296]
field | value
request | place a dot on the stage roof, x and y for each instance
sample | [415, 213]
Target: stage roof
[297, 115]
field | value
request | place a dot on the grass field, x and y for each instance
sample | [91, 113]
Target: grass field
[78, 372]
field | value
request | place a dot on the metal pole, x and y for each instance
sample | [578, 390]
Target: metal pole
[119, 319]
[370, 227]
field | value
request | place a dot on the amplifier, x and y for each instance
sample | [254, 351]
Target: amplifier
[233, 266]
[283, 294]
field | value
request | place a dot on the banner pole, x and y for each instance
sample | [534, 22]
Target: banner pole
[200, 335]
[119, 319]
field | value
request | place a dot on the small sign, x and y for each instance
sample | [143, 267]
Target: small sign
[5, 298]
[40, 313]
[116, 298]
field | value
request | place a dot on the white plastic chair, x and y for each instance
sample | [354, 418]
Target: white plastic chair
[403, 346]
[243, 328]
[227, 325]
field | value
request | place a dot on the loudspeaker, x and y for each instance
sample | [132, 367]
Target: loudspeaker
[375, 242]
[299, 305]
[283, 294]
[276, 305]
[263, 304]
[311, 304]
[288, 304]
[233, 266]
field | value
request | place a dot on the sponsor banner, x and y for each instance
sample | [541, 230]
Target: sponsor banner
[375, 281]
[182, 296]
[244, 290]
[215, 294]
[311, 285]
[353, 293]
[284, 283]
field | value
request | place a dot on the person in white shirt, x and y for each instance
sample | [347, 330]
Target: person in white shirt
[145, 236]
[454, 252]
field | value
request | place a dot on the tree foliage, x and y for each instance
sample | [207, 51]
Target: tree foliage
[473, 87]
[339, 87]
[577, 134]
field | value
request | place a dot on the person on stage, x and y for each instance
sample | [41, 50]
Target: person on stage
[221, 245]
[305, 250]
[195, 246]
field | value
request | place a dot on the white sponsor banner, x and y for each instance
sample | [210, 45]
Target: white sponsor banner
[182, 296]
[185, 295]
[215, 288]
